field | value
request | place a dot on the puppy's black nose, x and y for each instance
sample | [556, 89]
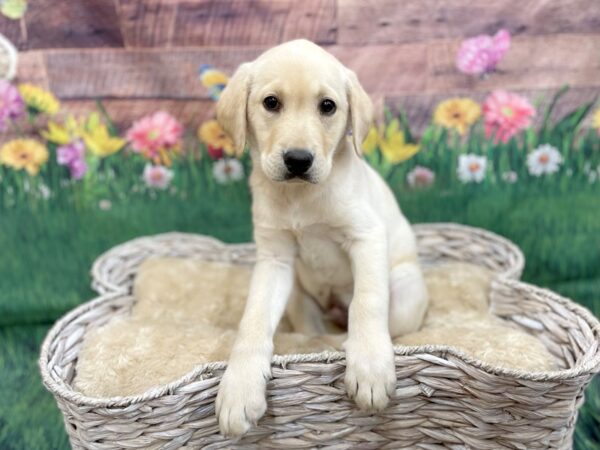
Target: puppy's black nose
[297, 161]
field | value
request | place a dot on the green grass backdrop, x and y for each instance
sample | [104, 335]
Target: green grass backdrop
[48, 242]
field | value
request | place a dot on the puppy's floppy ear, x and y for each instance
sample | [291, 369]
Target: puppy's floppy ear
[361, 111]
[232, 105]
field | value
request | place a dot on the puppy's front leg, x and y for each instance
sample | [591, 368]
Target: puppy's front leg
[241, 398]
[370, 370]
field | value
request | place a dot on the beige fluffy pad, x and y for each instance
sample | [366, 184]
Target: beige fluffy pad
[186, 313]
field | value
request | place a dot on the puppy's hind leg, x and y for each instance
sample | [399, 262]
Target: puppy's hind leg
[304, 313]
[408, 298]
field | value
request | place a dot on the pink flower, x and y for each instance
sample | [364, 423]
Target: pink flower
[73, 156]
[420, 177]
[157, 177]
[155, 133]
[480, 55]
[505, 114]
[12, 105]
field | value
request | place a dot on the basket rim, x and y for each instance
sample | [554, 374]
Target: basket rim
[60, 389]
[514, 271]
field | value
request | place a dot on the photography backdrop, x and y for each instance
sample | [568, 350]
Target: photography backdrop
[111, 63]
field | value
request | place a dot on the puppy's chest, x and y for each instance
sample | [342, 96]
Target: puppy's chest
[320, 249]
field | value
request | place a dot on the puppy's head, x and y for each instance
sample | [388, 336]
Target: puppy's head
[293, 105]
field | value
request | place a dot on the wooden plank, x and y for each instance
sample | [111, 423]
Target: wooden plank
[125, 111]
[253, 22]
[32, 68]
[149, 23]
[64, 24]
[173, 74]
[419, 108]
[386, 68]
[532, 62]
[15, 31]
[383, 69]
[314, 20]
[389, 21]
[137, 73]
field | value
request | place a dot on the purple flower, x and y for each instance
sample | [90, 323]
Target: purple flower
[73, 156]
[78, 168]
[67, 153]
[480, 55]
[12, 106]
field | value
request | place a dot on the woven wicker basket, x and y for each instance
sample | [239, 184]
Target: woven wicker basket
[443, 399]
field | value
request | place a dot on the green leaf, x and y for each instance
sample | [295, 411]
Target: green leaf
[427, 136]
[530, 139]
[571, 121]
[109, 123]
[387, 114]
[408, 137]
[562, 91]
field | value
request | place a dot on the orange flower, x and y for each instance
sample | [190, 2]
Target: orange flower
[212, 134]
[26, 154]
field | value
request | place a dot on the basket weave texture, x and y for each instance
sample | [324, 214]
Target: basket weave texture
[443, 398]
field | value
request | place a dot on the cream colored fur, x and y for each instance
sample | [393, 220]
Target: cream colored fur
[186, 314]
[338, 234]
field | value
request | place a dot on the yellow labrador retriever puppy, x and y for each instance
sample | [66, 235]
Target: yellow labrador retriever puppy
[325, 224]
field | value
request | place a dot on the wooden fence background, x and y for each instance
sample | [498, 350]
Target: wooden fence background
[141, 55]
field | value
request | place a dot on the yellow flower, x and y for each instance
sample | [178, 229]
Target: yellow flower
[457, 113]
[56, 133]
[212, 134]
[92, 130]
[99, 141]
[27, 154]
[393, 145]
[371, 141]
[596, 120]
[96, 136]
[38, 99]
[94, 133]
[13, 9]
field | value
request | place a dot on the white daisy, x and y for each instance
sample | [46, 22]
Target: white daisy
[544, 160]
[471, 168]
[157, 177]
[105, 204]
[228, 170]
[420, 177]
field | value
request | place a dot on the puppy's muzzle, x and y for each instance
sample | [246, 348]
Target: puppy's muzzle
[298, 161]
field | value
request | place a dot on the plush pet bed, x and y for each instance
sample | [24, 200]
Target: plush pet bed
[186, 313]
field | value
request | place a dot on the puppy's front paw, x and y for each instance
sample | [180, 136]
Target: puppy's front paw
[370, 372]
[241, 400]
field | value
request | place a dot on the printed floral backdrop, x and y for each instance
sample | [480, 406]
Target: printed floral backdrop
[79, 177]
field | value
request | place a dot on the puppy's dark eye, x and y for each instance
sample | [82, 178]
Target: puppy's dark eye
[327, 107]
[272, 103]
